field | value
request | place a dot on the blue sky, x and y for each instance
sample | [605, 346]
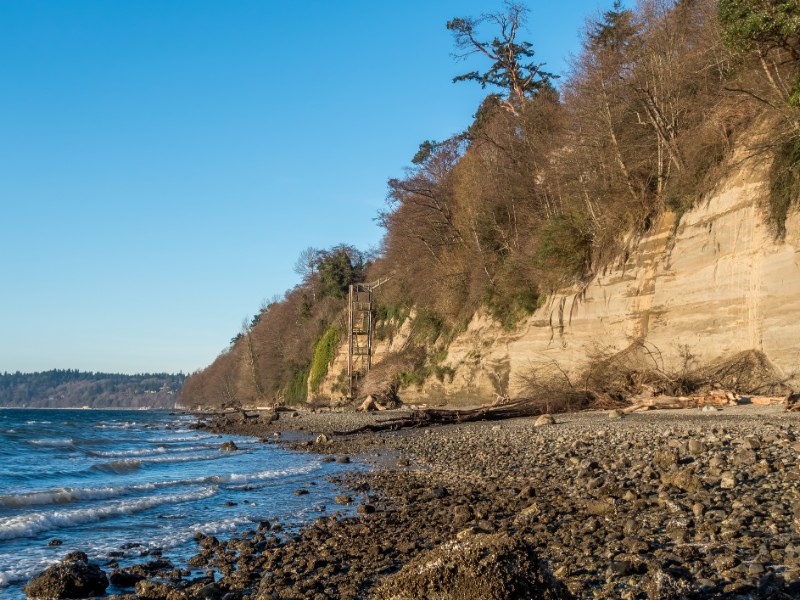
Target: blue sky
[163, 163]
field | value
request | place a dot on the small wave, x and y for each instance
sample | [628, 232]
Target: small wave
[149, 451]
[245, 478]
[33, 523]
[118, 466]
[192, 458]
[70, 495]
[124, 453]
[53, 443]
[180, 438]
[38, 422]
[115, 425]
[128, 465]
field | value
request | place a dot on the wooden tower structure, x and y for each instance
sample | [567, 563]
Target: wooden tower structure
[361, 322]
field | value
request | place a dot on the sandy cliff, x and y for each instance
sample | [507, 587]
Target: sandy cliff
[715, 284]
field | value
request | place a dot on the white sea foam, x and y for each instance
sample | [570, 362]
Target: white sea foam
[53, 443]
[239, 478]
[148, 451]
[115, 425]
[179, 438]
[31, 523]
[19, 569]
[124, 453]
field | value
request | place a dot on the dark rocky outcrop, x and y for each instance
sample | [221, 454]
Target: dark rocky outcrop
[74, 577]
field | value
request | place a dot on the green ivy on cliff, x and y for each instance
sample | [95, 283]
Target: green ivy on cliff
[324, 352]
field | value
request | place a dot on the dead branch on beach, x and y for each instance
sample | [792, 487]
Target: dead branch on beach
[434, 416]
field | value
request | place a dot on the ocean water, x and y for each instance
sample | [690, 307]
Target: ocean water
[132, 481]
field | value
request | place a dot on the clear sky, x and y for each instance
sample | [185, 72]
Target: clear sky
[164, 162]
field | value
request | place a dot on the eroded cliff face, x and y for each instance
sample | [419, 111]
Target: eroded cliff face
[715, 285]
[333, 387]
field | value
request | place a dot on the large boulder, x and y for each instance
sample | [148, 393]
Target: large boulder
[491, 567]
[73, 577]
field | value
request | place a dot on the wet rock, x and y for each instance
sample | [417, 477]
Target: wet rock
[153, 590]
[228, 446]
[211, 591]
[54, 543]
[74, 577]
[124, 578]
[207, 541]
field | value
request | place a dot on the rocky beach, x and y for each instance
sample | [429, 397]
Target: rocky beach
[656, 505]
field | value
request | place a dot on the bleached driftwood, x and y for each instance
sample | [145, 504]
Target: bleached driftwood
[713, 398]
[370, 404]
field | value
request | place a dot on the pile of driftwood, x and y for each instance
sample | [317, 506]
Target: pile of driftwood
[714, 397]
[434, 416]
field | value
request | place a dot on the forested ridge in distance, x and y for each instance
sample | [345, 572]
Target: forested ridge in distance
[70, 388]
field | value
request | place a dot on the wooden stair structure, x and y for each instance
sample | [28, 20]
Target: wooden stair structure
[361, 325]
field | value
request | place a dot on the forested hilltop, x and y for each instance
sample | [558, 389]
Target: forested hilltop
[552, 182]
[69, 388]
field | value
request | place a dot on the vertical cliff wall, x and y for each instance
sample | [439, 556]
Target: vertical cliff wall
[717, 283]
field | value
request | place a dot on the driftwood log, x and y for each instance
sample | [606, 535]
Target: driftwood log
[434, 416]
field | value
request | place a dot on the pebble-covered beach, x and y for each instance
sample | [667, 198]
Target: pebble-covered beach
[662, 504]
